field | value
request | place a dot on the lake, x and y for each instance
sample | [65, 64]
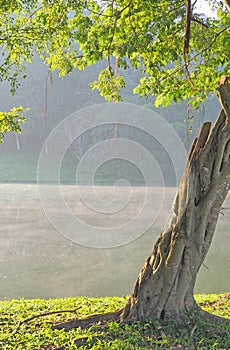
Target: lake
[45, 252]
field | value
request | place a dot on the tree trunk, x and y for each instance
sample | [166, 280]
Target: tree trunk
[165, 286]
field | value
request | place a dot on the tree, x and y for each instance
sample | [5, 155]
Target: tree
[181, 55]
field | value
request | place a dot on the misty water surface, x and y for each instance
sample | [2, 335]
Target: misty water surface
[37, 261]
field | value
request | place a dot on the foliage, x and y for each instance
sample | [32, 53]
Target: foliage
[147, 35]
[38, 334]
[10, 121]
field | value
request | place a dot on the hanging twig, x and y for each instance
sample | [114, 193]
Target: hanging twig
[187, 27]
[115, 75]
[49, 80]
[187, 34]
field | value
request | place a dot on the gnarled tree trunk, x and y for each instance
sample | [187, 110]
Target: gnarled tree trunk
[164, 288]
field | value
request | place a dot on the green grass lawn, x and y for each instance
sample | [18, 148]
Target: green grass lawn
[37, 333]
[22, 168]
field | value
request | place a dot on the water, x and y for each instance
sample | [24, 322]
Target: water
[37, 261]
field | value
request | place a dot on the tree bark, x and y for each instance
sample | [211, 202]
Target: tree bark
[165, 286]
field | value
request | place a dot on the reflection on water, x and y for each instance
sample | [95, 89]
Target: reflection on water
[37, 261]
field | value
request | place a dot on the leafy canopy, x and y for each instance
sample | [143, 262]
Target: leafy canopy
[146, 35]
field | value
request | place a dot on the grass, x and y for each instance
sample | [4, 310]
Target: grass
[22, 168]
[38, 334]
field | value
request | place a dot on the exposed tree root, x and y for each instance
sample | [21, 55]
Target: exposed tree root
[102, 319]
[50, 313]
[89, 321]
[45, 314]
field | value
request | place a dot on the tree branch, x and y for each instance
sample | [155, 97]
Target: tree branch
[199, 22]
[187, 27]
[197, 54]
